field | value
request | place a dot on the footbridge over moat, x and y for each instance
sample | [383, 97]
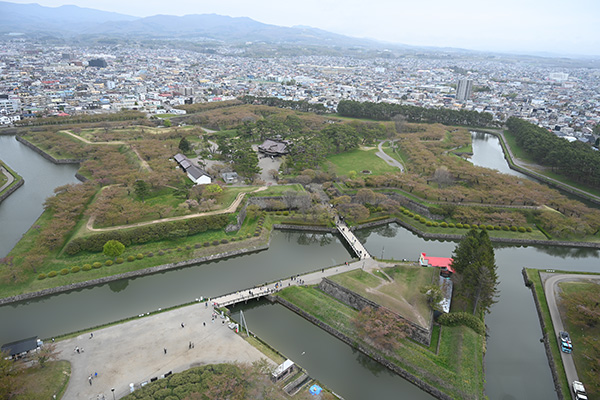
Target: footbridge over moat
[311, 278]
[355, 244]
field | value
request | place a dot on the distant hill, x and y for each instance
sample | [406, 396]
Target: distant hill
[71, 21]
[33, 18]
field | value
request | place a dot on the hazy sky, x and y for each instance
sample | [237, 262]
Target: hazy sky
[555, 26]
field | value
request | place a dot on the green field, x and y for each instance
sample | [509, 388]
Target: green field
[360, 160]
[401, 294]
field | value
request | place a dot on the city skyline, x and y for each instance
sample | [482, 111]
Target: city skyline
[529, 27]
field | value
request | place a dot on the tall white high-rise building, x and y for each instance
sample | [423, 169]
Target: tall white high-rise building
[464, 89]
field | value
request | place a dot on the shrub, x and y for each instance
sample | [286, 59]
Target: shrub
[197, 245]
[435, 223]
[405, 212]
[286, 213]
[459, 225]
[108, 263]
[463, 318]
[97, 264]
[513, 228]
[64, 271]
[505, 228]
[139, 256]
[224, 241]
[215, 242]
[497, 227]
[75, 269]
[151, 254]
[417, 217]
[522, 229]
[429, 223]
[490, 227]
[130, 258]
[277, 212]
[52, 274]
[161, 253]
[256, 233]
[466, 226]
[119, 260]
[179, 249]
[86, 267]
[41, 276]
[451, 225]
[188, 247]
[422, 220]
[206, 244]
[529, 229]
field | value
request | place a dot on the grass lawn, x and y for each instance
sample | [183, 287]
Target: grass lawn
[401, 295]
[359, 160]
[586, 367]
[278, 190]
[457, 370]
[43, 383]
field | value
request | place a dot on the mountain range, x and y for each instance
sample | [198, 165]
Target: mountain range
[71, 21]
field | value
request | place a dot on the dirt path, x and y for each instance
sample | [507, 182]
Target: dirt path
[230, 209]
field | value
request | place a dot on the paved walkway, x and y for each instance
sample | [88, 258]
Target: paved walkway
[391, 161]
[552, 291]
[133, 352]
[9, 177]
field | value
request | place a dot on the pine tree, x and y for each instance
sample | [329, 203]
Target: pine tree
[474, 262]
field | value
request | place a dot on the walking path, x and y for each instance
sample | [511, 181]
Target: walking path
[552, 291]
[391, 161]
[9, 177]
[230, 209]
[134, 352]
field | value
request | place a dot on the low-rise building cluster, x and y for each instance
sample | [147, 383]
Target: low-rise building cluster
[59, 81]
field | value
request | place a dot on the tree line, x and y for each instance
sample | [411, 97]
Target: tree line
[575, 160]
[386, 112]
[301, 105]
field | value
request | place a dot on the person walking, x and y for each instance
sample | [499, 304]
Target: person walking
[165, 350]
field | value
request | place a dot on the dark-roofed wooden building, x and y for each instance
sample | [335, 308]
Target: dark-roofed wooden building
[195, 173]
[274, 147]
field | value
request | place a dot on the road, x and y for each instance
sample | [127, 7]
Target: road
[9, 178]
[552, 291]
[391, 161]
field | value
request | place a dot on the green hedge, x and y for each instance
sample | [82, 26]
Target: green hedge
[462, 318]
[148, 233]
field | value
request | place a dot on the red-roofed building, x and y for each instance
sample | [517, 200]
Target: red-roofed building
[444, 263]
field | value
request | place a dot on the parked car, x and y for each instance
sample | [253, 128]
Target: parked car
[564, 341]
[579, 391]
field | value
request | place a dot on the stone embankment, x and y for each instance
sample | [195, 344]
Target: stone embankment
[358, 302]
